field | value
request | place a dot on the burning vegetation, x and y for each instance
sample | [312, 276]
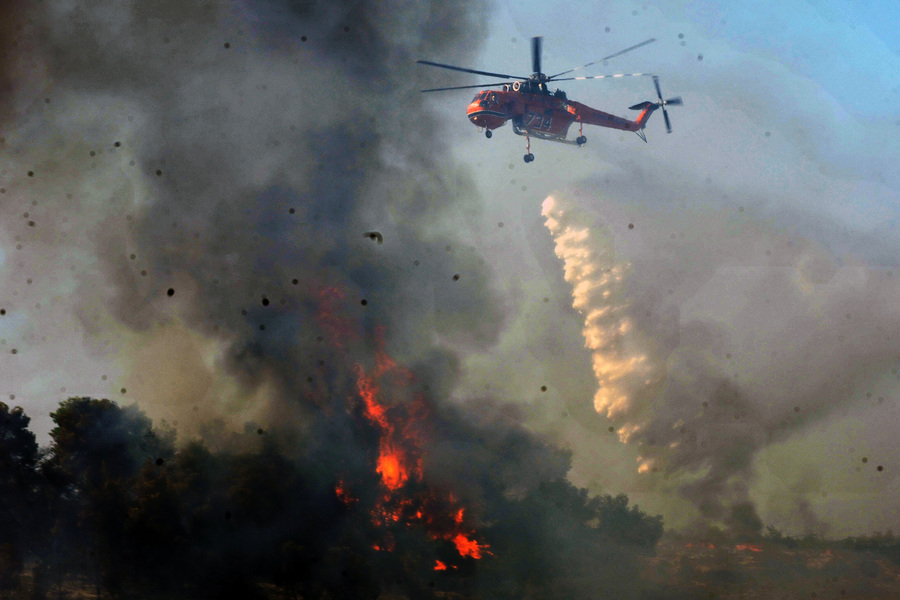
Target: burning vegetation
[775, 567]
[400, 462]
[115, 507]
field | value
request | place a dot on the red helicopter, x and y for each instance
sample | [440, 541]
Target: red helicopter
[535, 111]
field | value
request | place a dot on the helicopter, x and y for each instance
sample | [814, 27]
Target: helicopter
[537, 112]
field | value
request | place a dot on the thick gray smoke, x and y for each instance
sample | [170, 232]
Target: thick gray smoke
[204, 174]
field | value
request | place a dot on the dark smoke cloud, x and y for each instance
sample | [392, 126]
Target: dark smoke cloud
[221, 163]
[19, 70]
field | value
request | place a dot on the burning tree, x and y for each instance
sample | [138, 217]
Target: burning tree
[401, 440]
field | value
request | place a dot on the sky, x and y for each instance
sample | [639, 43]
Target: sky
[220, 154]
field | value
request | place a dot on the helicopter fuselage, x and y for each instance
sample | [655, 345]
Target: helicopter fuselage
[535, 111]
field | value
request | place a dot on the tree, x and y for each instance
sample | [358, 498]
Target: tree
[98, 449]
[19, 484]
[95, 440]
[629, 526]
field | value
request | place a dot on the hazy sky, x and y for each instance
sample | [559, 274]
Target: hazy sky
[761, 260]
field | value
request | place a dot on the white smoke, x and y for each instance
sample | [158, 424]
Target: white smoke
[714, 336]
[618, 354]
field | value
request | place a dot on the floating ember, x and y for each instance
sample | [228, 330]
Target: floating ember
[344, 496]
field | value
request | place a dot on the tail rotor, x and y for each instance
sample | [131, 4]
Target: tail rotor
[676, 101]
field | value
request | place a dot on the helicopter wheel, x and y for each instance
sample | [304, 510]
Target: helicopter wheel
[488, 133]
[581, 140]
[529, 157]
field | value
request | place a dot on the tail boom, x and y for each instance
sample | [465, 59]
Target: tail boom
[591, 116]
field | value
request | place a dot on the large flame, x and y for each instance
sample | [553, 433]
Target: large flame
[619, 360]
[399, 449]
[401, 429]
[400, 461]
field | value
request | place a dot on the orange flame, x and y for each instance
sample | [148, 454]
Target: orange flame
[439, 566]
[749, 547]
[396, 449]
[400, 446]
[467, 547]
[400, 460]
[343, 495]
[391, 473]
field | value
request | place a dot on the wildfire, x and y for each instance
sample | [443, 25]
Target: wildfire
[399, 448]
[749, 547]
[400, 462]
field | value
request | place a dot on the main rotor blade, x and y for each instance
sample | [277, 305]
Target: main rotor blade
[615, 76]
[536, 54]
[658, 91]
[619, 53]
[668, 123]
[464, 87]
[489, 74]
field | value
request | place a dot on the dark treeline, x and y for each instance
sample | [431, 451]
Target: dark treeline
[114, 508]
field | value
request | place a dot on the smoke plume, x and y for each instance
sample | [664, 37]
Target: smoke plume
[202, 175]
[714, 337]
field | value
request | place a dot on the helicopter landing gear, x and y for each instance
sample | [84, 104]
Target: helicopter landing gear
[529, 157]
[488, 133]
[581, 140]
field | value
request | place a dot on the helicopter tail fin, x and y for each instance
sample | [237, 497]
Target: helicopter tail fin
[646, 109]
